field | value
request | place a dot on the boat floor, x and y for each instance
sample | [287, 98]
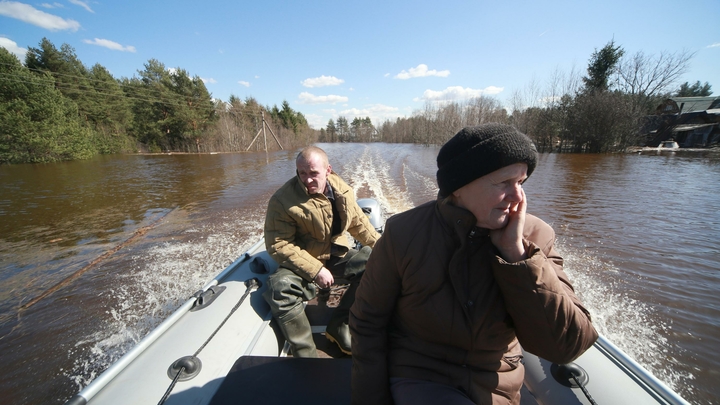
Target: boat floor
[318, 311]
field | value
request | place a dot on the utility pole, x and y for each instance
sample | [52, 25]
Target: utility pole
[264, 125]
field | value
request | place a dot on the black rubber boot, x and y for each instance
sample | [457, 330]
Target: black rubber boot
[298, 333]
[337, 330]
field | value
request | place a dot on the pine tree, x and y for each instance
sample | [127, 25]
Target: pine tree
[601, 66]
[694, 90]
[37, 123]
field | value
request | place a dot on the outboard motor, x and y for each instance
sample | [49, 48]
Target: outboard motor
[372, 209]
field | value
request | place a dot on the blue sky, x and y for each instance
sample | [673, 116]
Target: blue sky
[382, 59]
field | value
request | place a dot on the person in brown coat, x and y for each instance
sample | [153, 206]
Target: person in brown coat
[455, 286]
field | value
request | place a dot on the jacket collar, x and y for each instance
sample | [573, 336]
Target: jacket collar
[458, 221]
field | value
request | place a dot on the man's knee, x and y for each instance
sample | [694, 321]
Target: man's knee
[286, 292]
[355, 265]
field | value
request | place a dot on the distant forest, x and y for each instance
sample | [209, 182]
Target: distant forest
[53, 107]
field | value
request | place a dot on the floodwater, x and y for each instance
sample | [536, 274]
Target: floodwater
[94, 254]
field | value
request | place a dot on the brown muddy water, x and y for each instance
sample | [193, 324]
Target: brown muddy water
[94, 254]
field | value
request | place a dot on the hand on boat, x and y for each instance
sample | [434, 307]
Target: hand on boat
[324, 278]
[508, 239]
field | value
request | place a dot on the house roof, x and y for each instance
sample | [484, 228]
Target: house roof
[693, 104]
[690, 127]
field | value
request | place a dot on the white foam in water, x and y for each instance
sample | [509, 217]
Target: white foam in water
[163, 280]
[375, 172]
[429, 183]
[626, 322]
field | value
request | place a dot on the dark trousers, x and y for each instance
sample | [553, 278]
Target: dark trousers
[287, 290]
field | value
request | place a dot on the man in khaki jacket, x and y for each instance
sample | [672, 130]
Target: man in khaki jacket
[305, 233]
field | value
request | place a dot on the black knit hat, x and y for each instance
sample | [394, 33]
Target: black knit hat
[476, 151]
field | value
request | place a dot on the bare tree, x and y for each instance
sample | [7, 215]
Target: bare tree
[645, 77]
[483, 109]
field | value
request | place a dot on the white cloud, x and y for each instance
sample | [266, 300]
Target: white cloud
[322, 81]
[371, 110]
[307, 98]
[316, 121]
[54, 5]
[378, 113]
[210, 80]
[81, 4]
[244, 83]
[106, 43]
[31, 15]
[421, 71]
[715, 45]
[13, 48]
[458, 93]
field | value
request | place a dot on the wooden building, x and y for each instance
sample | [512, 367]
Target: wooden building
[693, 122]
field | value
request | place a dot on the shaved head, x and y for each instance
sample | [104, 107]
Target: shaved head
[309, 151]
[313, 169]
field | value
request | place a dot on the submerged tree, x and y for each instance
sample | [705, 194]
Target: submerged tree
[171, 110]
[289, 118]
[196, 109]
[361, 129]
[343, 129]
[37, 123]
[109, 111]
[71, 76]
[152, 105]
[602, 65]
[648, 78]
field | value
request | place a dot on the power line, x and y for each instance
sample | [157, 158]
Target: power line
[89, 90]
[124, 87]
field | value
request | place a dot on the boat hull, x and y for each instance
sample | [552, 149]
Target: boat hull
[235, 332]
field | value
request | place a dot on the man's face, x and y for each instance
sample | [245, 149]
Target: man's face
[491, 197]
[313, 173]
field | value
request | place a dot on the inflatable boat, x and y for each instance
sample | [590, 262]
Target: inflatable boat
[221, 347]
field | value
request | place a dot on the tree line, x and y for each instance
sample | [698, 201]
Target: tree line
[600, 112]
[53, 107]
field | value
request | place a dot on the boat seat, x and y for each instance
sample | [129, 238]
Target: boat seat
[285, 380]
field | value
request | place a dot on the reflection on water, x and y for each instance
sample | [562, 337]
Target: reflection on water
[639, 235]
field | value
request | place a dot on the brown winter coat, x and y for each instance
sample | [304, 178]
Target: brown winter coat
[298, 226]
[438, 303]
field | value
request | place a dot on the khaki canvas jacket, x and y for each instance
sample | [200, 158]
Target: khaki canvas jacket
[298, 226]
[438, 303]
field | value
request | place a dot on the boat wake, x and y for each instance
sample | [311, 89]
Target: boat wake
[628, 323]
[390, 179]
[161, 279]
